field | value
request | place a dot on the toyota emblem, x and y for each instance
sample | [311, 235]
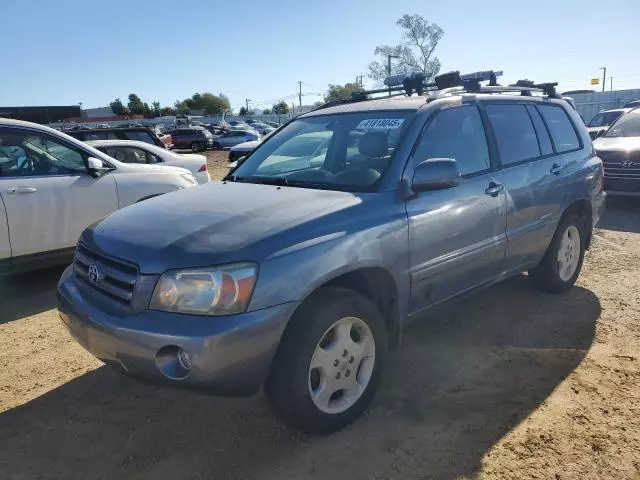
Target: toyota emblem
[94, 273]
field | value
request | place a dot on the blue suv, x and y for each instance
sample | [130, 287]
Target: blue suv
[300, 270]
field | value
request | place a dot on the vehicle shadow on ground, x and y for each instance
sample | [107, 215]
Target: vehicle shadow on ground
[30, 293]
[621, 214]
[466, 377]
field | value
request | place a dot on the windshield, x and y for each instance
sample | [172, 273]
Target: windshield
[604, 119]
[627, 126]
[348, 151]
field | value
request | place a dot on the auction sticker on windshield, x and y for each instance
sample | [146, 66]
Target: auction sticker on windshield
[380, 124]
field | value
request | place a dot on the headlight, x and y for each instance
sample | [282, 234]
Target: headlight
[189, 178]
[206, 291]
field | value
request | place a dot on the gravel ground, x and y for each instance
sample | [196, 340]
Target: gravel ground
[509, 383]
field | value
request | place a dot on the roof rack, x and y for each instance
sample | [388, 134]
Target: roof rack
[452, 83]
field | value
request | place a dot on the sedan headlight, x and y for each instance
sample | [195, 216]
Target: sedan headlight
[206, 291]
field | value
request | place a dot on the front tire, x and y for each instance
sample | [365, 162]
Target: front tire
[328, 366]
[559, 268]
[217, 146]
[196, 147]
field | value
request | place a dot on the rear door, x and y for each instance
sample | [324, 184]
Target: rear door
[48, 195]
[457, 235]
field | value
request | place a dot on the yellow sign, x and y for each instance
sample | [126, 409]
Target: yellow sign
[595, 81]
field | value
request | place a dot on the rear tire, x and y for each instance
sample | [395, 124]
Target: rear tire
[559, 268]
[196, 147]
[313, 384]
[217, 146]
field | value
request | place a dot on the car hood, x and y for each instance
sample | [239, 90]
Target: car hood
[246, 146]
[617, 143]
[216, 223]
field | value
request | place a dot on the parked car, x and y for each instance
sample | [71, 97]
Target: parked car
[262, 128]
[130, 151]
[52, 186]
[142, 134]
[234, 137]
[241, 150]
[601, 122]
[297, 273]
[194, 138]
[619, 149]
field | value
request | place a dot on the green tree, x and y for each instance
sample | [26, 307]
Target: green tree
[181, 106]
[280, 108]
[167, 111]
[266, 111]
[342, 92]
[146, 111]
[135, 105]
[318, 104]
[243, 112]
[414, 54]
[117, 107]
[155, 109]
[209, 103]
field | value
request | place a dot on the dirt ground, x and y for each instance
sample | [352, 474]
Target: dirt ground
[510, 383]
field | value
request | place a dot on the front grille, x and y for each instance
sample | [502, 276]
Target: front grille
[113, 278]
[621, 164]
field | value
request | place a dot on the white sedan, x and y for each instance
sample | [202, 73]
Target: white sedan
[131, 151]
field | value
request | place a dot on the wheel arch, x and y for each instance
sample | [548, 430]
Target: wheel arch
[583, 209]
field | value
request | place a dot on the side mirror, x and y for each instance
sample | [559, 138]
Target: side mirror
[435, 174]
[95, 167]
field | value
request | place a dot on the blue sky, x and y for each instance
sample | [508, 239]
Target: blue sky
[69, 51]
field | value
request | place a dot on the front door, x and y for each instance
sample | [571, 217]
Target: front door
[48, 195]
[457, 235]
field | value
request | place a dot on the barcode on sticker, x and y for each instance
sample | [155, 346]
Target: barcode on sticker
[380, 123]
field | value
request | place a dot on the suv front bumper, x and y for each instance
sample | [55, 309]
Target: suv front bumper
[228, 355]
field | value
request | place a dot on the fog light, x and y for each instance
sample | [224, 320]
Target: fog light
[185, 359]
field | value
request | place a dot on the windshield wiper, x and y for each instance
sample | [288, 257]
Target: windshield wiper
[259, 180]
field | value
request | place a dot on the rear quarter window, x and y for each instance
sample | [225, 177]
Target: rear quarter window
[562, 131]
[516, 138]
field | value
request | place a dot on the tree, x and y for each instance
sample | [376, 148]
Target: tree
[155, 109]
[342, 92]
[135, 105]
[180, 106]
[317, 104]
[117, 107]
[266, 111]
[167, 111]
[280, 108]
[414, 54]
[243, 112]
[209, 103]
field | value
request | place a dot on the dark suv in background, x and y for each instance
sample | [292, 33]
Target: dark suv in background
[194, 138]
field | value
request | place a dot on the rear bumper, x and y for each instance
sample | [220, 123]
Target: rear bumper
[229, 355]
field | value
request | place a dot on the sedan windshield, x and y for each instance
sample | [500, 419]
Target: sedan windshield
[627, 126]
[604, 119]
[348, 151]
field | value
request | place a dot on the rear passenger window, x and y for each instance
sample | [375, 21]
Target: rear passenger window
[456, 133]
[562, 131]
[543, 135]
[515, 135]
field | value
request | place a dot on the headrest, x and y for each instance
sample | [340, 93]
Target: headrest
[374, 145]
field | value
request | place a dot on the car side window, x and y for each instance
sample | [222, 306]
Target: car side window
[514, 132]
[563, 134]
[544, 141]
[31, 154]
[140, 136]
[456, 133]
[127, 154]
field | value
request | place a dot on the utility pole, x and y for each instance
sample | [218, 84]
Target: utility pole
[300, 94]
[604, 76]
[611, 83]
[247, 104]
[389, 57]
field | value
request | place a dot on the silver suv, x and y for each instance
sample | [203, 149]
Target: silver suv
[304, 266]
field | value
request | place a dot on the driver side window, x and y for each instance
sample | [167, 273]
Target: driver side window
[30, 154]
[456, 133]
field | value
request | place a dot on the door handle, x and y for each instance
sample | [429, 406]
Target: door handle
[21, 190]
[556, 169]
[494, 189]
